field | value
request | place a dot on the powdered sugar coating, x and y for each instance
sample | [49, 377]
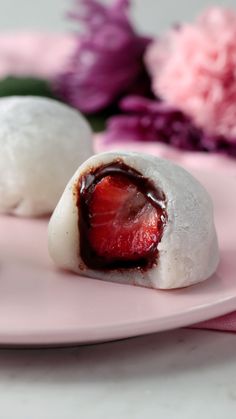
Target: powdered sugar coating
[188, 251]
[42, 144]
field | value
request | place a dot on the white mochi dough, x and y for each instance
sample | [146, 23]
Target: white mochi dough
[42, 143]
[188, 250]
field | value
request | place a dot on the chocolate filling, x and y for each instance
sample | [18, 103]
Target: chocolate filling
[84, 191]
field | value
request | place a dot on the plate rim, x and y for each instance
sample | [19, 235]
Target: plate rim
[73, 336]
[121, 330]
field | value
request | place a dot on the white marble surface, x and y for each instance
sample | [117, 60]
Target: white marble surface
[180, 374]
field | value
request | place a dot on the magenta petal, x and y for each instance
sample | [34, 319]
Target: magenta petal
[108, 61]
[150, 120]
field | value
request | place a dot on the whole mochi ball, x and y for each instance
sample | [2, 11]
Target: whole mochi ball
[42, 142]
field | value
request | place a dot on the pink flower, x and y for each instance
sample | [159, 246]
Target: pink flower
[108, 60]
[194, 68]
[34, 54]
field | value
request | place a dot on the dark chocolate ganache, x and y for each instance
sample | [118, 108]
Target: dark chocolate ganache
[105, 245]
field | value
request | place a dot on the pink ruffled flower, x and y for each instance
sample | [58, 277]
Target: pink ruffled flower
[194, 68]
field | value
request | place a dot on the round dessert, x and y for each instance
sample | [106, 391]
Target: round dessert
[42, 143]
[135, 219]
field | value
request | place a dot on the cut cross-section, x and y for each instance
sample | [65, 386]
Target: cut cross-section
[123, 224]
[121, 220]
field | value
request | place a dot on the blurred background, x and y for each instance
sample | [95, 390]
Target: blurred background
[150, 15]
[42, 53]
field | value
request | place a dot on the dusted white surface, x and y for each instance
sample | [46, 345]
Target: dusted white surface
[176, 375]
[42, 143]
[188, 251]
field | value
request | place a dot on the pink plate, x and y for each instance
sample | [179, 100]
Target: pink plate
[40, 305]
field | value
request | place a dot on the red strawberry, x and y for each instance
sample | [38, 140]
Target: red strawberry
[123, 223]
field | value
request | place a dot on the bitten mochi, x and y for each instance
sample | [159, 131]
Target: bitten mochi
[186, 251]
[42, 143]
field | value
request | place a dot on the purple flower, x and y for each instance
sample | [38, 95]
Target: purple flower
[151, 120]
[108, 60]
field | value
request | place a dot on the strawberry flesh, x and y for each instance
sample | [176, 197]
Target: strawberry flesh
[123, 223]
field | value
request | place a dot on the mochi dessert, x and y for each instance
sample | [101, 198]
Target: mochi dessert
[42, 143]
[135, 219]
